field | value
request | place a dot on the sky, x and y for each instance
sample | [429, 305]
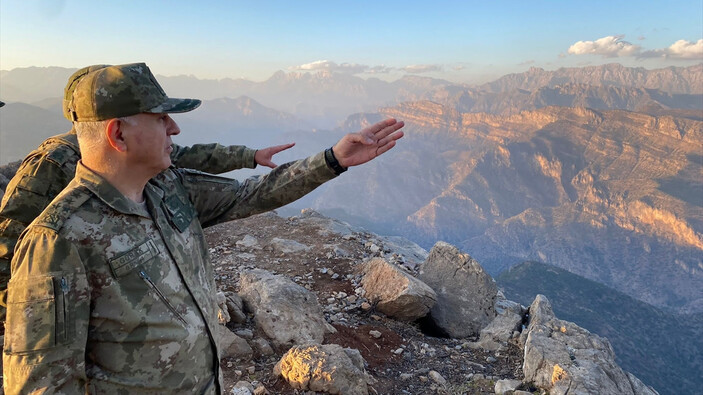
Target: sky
[460, 41]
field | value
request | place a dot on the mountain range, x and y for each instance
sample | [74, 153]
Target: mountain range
[597, 171]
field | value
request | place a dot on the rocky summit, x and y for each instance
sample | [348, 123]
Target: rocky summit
[316, 319]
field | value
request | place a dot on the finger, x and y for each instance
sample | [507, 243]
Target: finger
[278, 148]
[393, 137]
[388, 130]
[378, 126]
[269, 164]
[385, 148]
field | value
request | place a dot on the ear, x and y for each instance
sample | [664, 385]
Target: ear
[114, 133]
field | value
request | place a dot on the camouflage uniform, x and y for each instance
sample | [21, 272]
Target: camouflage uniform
[47, 170]
[108, 296]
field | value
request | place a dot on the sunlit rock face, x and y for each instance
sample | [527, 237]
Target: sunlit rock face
[615, 196]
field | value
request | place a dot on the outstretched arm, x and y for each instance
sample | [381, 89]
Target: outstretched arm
[360, 147]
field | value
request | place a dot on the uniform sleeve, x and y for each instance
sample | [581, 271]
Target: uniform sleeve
[34, 186]
[219, 199]
[48, 312]
[213, 158]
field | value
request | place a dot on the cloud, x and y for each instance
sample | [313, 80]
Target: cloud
[421, 68]
[378, 70]
[608, 47]
[525, 63]
[681, 49]
[346, 68]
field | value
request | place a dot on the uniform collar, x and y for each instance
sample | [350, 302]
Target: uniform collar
[104, 191]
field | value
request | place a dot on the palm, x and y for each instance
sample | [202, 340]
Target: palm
[358, 148]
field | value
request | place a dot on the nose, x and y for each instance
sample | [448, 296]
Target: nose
[172, 128]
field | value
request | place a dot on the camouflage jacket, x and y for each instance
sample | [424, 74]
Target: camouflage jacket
[47, 170]
[108, 296]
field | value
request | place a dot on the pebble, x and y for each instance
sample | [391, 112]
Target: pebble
[251, 369]
[398, 351]
[366, 306]
[491, 359]
[437, 378]
[406, 376]
[375, 334]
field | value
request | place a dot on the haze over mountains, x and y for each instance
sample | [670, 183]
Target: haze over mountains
[543, 165]
[595, 170]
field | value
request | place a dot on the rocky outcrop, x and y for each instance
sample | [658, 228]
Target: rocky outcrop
[567, 359]
[325, 368]
[466, 294]
[395, 292]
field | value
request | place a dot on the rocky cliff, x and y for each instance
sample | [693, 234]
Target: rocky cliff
[614, 196]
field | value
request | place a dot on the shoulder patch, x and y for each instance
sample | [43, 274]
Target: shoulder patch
[54, 216]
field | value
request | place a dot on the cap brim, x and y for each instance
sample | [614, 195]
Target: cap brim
[1, 104]
[175, 105]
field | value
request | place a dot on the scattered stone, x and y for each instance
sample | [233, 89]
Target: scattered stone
[261, 390]
[261, 347]
[251, 370]
[245, 333]
[235, 308]
[503, 386]
[324, 368]
[406, 376]
[398, 351]
[248, 241]
[491, 359]
[375, 334]
[286, 312]
[366, 306]
[437, 378]
[286, 246]
[504, 325]
[466, 294]
[222, 311]
[232, 345]
[397, 294]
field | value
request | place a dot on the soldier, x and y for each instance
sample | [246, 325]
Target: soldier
[112, 289]
[48, 169]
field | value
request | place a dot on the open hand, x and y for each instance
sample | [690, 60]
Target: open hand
[263, 156]
[360, 147]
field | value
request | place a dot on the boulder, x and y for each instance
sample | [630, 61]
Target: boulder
[325, 368]
[286, 312]
[562, 357]
[397, 293]
[466, 294]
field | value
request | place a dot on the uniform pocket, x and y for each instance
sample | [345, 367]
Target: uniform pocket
[36, 315]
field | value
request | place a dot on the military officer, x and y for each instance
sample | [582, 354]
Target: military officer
[48, 169]
[112, 289]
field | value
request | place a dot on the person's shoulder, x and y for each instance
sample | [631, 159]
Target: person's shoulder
[66, 204]
[58, 151]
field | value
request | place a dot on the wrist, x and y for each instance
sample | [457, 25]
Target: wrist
[333, 163]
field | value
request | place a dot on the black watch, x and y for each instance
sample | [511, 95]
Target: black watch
[333, 163]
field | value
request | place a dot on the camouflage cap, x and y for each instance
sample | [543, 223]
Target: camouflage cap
[1, 104]
[121, 91]
[71, 85]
